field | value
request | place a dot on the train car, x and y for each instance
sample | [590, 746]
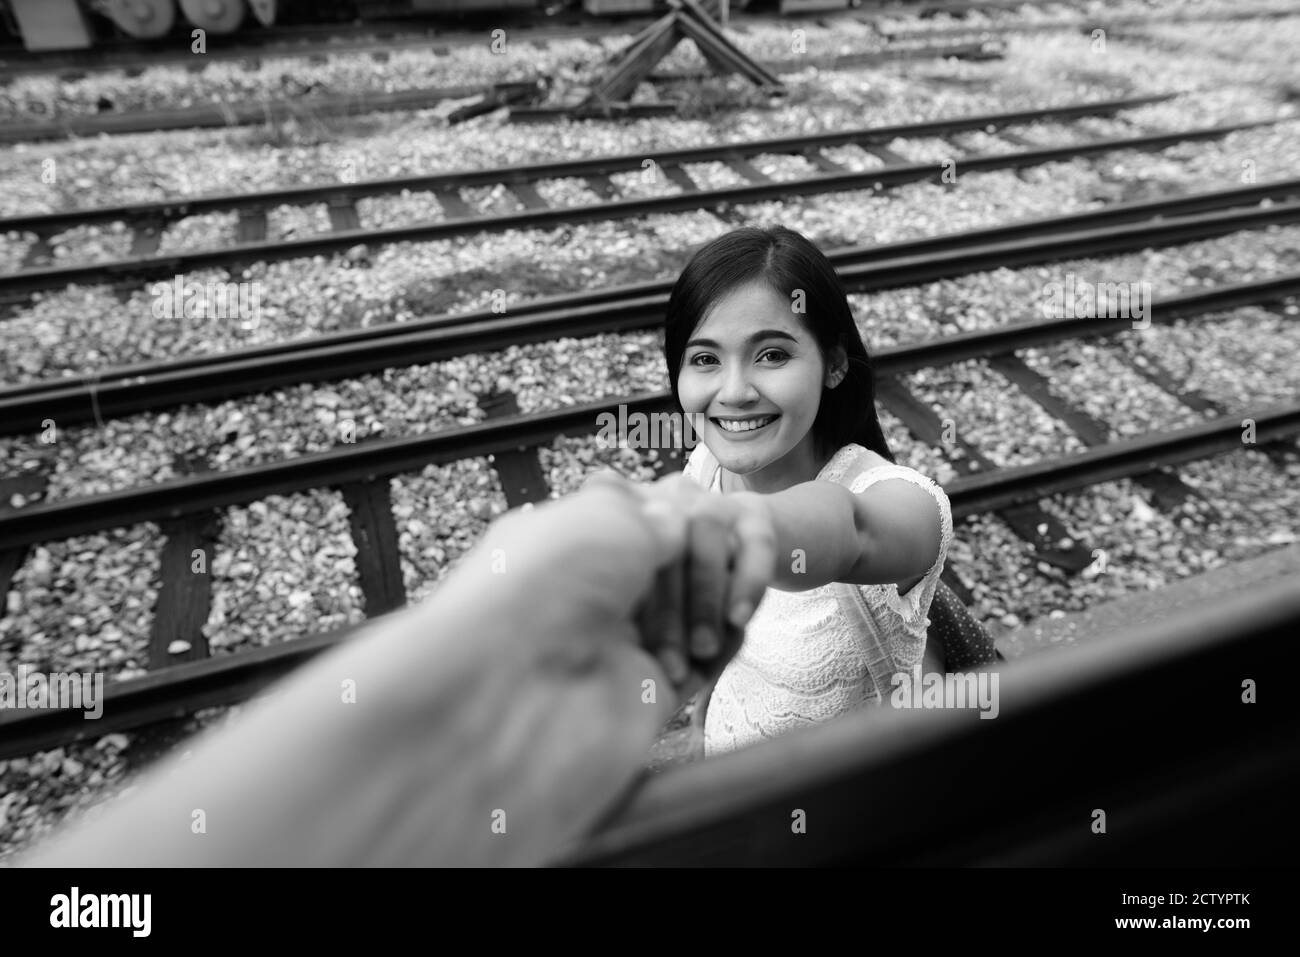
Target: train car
[52, 25]
[80, 24]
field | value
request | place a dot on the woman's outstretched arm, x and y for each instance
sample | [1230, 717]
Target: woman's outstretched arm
[822, 532]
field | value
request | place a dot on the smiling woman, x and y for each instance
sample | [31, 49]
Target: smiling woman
[761, 343]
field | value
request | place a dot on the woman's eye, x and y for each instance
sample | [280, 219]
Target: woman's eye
[779, 354]
[695, 359]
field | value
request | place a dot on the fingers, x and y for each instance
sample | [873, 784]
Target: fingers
[668, 527]
[755, 566]
[707, 574]
[608, 478]
[663, 619]
[666, 524]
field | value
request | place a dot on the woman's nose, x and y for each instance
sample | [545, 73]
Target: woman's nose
[737, 389]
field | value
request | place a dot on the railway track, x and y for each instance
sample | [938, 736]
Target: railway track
[221, 115]
[1086, 23]
[158, 386]
[147, 221]
[186, 509]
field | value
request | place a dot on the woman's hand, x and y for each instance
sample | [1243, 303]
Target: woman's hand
[701, 603]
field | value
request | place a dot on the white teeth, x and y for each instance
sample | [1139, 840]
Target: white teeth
[746, 425]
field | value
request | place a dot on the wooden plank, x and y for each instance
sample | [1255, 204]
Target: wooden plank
[823, 163]
[647, 33]
[379, 566]
[1168, 490]
[38, 253]
[184, 602]
[146, 234]
[251, 226]
[1024, 520]
[453, 205]
[676, 174]
[30, 486]
[343, 215]
[696, 22]
[519, 470]
[528, 195]
[603, 185]
[631, 69]
[723, 57]
[885, 155]
[747, 169]
[1017, 140]
[186, 595]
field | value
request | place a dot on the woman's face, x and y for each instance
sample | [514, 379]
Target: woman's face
[755, 374]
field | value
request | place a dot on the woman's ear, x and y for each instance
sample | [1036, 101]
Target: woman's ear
[837, 368]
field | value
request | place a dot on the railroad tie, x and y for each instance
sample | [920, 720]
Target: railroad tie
[28, 486]
[184, 602]
[527, 194]
[884, 154]
[343, 214]
[823, 163]
[678, 174]
[1024, 520]
[374, 533]
[146, 235]
[1280, 453]
[251, 225]
[601, 184]
[452, 204]
[518, 470]
[1168, 490]
[747, 169]
[38, 253]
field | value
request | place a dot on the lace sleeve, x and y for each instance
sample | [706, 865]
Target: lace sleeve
[913, 605]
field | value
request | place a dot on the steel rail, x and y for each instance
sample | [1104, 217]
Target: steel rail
[16, 286]
[385, 457]
[179, 207]
[228, 679]
[157, 386]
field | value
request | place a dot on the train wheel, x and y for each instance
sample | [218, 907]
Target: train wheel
[146, 19]
[215, 16]
[264, 10]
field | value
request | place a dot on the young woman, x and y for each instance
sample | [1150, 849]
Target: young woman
[762, 347]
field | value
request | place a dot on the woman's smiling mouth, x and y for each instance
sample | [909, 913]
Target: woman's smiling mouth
[740, 426]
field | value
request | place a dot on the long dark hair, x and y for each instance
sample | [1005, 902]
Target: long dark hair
[786, 261]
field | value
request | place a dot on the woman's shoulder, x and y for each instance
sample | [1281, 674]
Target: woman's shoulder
[856, 465]
[859, 468]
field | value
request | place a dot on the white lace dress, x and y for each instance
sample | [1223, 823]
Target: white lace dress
[803, 661]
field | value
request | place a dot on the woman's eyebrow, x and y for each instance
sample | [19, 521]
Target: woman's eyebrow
[756, 337]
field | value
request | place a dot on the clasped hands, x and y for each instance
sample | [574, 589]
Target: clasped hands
[693, 618]
[623, 570]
